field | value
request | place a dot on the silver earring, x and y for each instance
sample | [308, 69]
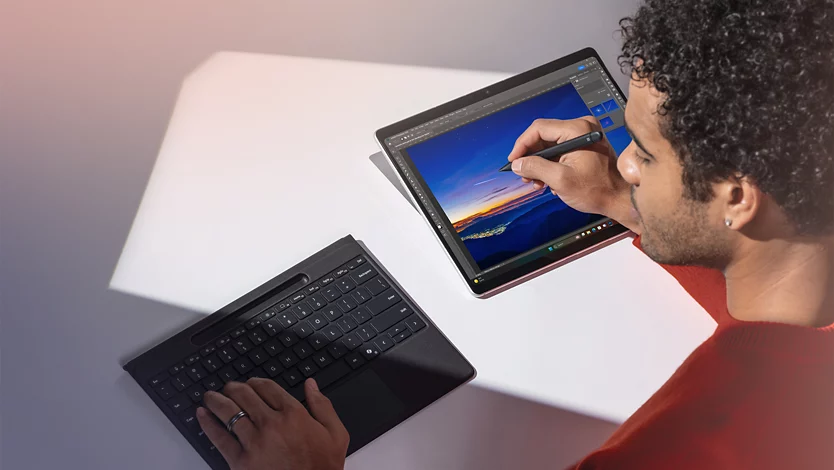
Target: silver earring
[728, 222]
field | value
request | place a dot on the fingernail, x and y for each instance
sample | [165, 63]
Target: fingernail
[314, 385]
[517, 165]
[201, 411]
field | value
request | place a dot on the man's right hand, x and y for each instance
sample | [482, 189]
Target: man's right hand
[586, 180]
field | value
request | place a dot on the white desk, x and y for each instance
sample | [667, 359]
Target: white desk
[266, 161]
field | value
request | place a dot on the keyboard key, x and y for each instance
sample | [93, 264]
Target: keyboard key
[213, 383]
[196, 373]
[317, 302]
[288, 338]
[195, 393]
[256, 372]
[243, 365]
[415, 323]
[366, 332]
[376, 285]
[384, 343]
[311, 290]
[303, 350]
[303, 329]
[332, 332]
[361, 315]
[222, 341]
[174, 370]
[369, 351]
[158, 379]
[347, 324]
[207, 350]
[363, 275]
[189, 417]
[273, 347]
[361, 295]
[302, 311]
[331, 293]
[352, 341]
[258, 356]
[327, 280]
[307, 368]
[266, 315]
[318, 321]
[282, 306]
[337, 349]
[318, 341]
[181, 381]
[287, 359]
[227, 354]
[340, 272]
[242, 345]
[272, 327]
[391, 317]
[293, 377]
[179, 404]
[355, 360]
[228, 373]
[273, 368]
[386, 300]
[332, 312]
[286, 319]
[165, 390]
[211, 363]
[346, 304]
[355, 263]
[328, 376]
[297, 297]
[257, 336]
[345, 285]
[253, 323]
[401, 336]
[322, 359]
[238, 331]
[396, 329]
[192, 360]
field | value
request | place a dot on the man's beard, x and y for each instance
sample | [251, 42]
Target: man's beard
[683, 238]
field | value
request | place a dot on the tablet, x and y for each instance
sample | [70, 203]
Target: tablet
[497, 230]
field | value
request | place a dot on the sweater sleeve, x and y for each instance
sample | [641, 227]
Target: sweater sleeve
[707, 286]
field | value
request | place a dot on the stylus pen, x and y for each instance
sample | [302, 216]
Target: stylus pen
[553, 153]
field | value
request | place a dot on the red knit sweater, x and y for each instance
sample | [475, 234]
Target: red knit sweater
[754, 395]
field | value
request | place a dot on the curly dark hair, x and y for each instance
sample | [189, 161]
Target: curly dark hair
[749, 90]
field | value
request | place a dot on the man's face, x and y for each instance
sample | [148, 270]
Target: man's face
[675, 229]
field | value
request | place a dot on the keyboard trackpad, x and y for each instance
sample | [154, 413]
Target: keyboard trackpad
[366, 406]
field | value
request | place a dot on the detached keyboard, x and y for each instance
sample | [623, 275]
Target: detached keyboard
[327, 329]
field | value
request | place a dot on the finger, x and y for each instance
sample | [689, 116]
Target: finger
[537, 185]
[322, 410]
[228, 446]
[273, 394]
[536, 168]
[552, 131]
[526, 180]
[249, 401]
[224, 408]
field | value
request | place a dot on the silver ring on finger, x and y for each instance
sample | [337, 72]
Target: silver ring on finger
[230, 424]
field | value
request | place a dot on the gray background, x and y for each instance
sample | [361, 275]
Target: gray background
[86, 90]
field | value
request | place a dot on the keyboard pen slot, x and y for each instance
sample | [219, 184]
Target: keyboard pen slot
[234, 311]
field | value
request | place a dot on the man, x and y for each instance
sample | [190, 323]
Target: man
[729, 183]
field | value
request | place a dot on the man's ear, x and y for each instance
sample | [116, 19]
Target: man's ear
[741, 201]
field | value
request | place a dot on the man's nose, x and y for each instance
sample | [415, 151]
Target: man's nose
[628, 167]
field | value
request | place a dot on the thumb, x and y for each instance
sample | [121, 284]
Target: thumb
[322, 409]
[537, 168]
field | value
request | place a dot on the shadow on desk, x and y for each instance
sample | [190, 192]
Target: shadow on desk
[479, 429]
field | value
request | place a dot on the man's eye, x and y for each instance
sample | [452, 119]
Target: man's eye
[642, 160]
